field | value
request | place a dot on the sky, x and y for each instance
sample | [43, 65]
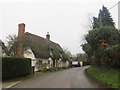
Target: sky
[67, 21]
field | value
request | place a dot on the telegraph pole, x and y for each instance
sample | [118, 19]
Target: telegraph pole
[100, 19]
[119, 16]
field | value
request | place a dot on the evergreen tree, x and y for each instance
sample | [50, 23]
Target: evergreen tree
[104, 19]
[95, 23]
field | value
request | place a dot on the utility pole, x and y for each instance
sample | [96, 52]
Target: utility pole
[119, 16]
[100, 19]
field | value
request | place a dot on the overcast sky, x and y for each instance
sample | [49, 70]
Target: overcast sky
[65, 20]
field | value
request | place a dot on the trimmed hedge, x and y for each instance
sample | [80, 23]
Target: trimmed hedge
[15, 67]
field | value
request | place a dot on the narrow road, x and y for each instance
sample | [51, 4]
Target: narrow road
[71, 78]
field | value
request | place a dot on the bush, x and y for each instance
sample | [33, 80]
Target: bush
[15, 67]
[113, 53]
[109, 56]
[86, 63]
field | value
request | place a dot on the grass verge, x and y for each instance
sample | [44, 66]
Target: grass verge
[107, 77]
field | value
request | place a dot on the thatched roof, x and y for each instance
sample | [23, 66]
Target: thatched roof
[42, 47]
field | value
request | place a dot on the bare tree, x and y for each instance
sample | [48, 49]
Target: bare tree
[11, 39]
[67, 52]
[12, 44]
[90, 20]
[81, 57]
[88, 25]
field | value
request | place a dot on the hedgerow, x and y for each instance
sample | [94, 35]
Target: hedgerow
[13, 67]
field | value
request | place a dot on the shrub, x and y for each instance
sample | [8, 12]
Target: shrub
[111, 56]
[86, 63]
[15, 67]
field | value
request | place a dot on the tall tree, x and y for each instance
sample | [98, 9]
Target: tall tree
[104, 19]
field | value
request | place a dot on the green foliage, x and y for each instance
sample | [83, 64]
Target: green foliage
[54, 69]
[96, 23]
[106, 56]
[119, 37]
[108, 33]
[113, 56]
[90, 53]
[86, 63]
[67, 54]
[87, 48]
[104, 19]
[15, 67]
[109, 78]
[81, 57]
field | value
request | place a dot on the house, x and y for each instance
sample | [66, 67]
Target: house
[42, 51]
[3, 49]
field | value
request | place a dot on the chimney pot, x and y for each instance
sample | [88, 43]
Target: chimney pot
[21, 29]
[48, 36]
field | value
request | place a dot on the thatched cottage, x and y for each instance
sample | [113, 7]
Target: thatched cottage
[42, 51]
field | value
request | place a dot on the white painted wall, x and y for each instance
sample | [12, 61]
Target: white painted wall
[44, 63]
[51, 62]
[65, 63]
[29, 54]
[81, 63]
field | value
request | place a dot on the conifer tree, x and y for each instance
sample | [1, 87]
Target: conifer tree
[104, 19]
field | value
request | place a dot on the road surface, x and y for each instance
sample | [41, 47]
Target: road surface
[70, 78]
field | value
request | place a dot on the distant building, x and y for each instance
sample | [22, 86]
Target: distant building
[42, 51]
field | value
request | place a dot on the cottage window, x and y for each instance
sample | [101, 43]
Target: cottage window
[48, 61]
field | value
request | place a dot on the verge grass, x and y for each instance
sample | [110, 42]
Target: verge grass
[108, 77]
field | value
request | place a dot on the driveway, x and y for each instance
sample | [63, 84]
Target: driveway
[70, 78]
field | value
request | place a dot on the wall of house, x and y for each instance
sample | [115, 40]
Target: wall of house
[44, 63]
[64, 63]
[81, 63]
[29, 54]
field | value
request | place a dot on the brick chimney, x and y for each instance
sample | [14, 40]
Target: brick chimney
[21, 31]
[48, 36]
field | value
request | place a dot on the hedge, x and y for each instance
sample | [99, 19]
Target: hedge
[15, 67]
[113, 53]
[109, 56]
